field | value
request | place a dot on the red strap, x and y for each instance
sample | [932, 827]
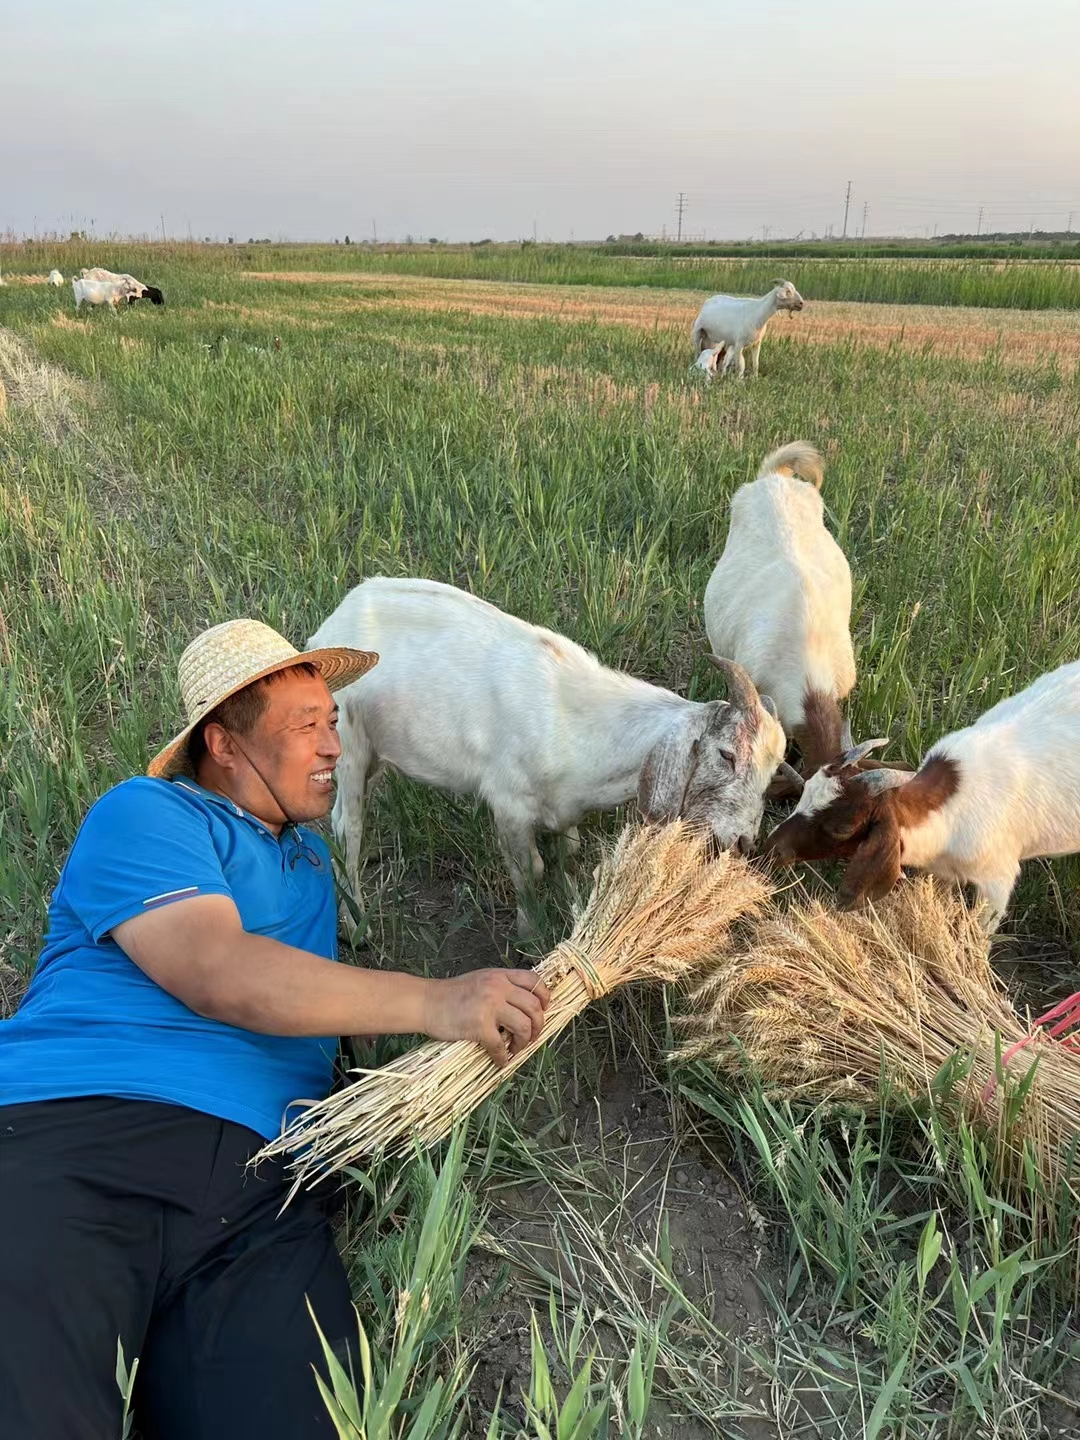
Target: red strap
[1067, 1014]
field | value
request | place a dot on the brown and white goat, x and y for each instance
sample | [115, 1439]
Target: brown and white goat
[985, 798]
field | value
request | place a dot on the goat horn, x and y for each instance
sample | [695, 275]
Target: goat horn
[853, 756]
[790, 774]
[847, 740]
[741, 689]
[769, 704]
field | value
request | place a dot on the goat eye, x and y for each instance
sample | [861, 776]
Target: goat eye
[729, 756]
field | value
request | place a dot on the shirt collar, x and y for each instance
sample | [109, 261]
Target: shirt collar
[224, 803]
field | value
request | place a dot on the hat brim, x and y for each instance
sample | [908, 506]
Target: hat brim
[338, 665]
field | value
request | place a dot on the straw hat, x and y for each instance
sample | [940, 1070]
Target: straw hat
[228, 657]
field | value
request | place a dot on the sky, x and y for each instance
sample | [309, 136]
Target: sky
[567, 119]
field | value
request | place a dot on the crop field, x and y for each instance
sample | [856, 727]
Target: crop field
[616, 1245]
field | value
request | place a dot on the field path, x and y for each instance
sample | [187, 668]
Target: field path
[1023, 335]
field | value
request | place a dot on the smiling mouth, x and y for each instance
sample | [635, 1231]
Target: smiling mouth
[323, 777]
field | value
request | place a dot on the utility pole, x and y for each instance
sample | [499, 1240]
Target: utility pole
[534, 232]
[1068, 227]
[374, 233]
[163, 229]
[680, 206]
[847, 206]
[865, 208]
[978, 227]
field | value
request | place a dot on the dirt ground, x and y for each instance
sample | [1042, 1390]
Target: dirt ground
[1023, 336]
[623, 1129]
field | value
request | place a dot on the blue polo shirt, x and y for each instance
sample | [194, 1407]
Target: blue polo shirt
[93, 1023]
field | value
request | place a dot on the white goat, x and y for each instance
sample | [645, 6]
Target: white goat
[738, 323]
[100, 292]
[55, 278]
[709, 360]
[1003, 790]
[779, 601]
[97, 272]
[475, 701]
[136, 289]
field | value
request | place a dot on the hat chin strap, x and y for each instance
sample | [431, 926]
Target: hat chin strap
[269, 788]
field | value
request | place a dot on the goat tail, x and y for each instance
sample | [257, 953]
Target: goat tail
[798, 458]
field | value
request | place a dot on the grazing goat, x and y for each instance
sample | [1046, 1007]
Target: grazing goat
[738, 323]
[1005, 789]
[779, 601]
[475, 701]
[137, 289]
[55, 278]
[100, 292]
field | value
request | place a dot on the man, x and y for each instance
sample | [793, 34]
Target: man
[186, 998]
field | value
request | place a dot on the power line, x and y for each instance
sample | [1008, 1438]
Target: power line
[680, 207]
[847, 206]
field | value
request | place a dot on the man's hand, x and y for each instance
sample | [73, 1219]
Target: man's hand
[503, 1010]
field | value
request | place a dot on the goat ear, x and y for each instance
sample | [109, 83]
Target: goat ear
[853, 758]
[875, 866]
[667, 771]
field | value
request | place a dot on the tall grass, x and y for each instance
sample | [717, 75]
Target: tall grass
[1017, 285]
[1005, 281]
[571, 473]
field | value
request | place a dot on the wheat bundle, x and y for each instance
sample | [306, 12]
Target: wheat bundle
[661, 908]
[821, 1004]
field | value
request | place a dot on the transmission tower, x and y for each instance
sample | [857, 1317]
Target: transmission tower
[680, 206]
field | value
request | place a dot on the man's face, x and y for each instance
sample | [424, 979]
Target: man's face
[293, 747]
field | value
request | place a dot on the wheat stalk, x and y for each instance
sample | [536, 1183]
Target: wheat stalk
[820, 1004]
[662, 908]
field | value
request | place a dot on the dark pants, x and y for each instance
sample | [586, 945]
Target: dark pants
[132, 1221]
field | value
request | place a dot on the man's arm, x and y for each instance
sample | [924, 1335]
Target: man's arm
[198, 950]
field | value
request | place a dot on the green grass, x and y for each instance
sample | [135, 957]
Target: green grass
[181, 471]
[820, 273]
[1039, 247]
[1022, 285]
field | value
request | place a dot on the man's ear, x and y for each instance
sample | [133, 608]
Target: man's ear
[219, 745]
[875, 867]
